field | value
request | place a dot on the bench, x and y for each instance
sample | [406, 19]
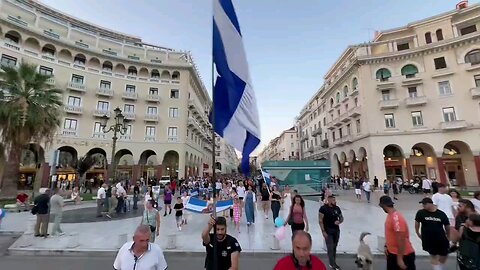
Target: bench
[14, 207]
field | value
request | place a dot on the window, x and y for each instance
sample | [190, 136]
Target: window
[333, 136]
[403, 46]
[417, 119]
[412, 92]
[128, 108]
[337, 97]
[440, 63]
[409, 71]
[439, 34]
[8, 61]
[105, 84]
[389, 120]
[358, 126]
[473, 57]
[444, 88]
[385, 95]
[449, 114]
[469, 29]
[428, 37]
[324, 121]
[77, 79]
[172, 132]
[340, 132]
[79, 60]
[291, 136]
[349, 129]
[383, 74]
[345, 91]
[97, 128]
[291, 144]
[45, 71]
[355, 84]
[70, 124]
[152, 110]
[12, 38]
[477, 80]
[174, 93]
[150, 131]
[74, 101]
[130, 88]
[102, 105]
[356, 102]
[346, 107]
[153, 91]
[173, 112]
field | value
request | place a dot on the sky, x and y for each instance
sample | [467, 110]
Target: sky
[290, 44]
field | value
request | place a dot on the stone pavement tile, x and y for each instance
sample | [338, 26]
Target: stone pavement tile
[108, 235]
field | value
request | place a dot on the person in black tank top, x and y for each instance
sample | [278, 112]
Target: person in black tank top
[275, 198]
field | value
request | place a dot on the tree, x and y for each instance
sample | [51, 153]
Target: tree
[84, 164]
[30, 111]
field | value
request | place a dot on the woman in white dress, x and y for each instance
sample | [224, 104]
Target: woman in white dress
[287, 198]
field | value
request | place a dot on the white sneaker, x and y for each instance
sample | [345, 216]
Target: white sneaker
[180, 228]
[61, 234]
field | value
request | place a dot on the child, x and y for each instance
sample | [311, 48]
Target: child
[237, 213]
[185, 199]
[179, 213]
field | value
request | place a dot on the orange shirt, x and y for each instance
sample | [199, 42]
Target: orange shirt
[394, 223]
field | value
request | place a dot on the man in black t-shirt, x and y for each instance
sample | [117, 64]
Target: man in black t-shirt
[330, 217]
[435, 230]
[41, 209]
[178, 207]
[228, 248]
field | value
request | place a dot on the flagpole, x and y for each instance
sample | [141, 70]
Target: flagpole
[212, 119]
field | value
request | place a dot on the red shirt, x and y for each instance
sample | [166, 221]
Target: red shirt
[286, 263]
[22, 197]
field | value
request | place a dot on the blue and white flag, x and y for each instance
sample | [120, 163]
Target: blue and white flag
[205, 207]
[267, 178]
[236, 113]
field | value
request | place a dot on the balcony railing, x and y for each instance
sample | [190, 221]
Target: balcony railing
[453, 125]
[389, 104]
[129, 115]
[310, 149]
[416, 101]
[130, 95]
[99, 135]
[73, 109]
[324, 144]
[50, 81]
[347, 139]
[153, 98]
[126, 137]
[105, 92]
[172, 139]
[69, 132]
[150, 138]
[344, 117]
[101, 113]
[385, 85]
[48, 57]
[151, 118]
[475, 92]
[80, 87]
[355, 111]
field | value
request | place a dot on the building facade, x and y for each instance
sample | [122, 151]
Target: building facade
[284, 147]
[226, 159]
[158, 90]
[406, 104]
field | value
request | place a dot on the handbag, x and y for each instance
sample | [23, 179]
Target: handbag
[152, 228]
[34, 210]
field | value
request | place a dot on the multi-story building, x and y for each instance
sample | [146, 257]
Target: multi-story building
[406, 104]
[226, 159]
[283, 147]
[158, 89]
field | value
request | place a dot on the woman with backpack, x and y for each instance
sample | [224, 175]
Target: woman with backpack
[468, 255]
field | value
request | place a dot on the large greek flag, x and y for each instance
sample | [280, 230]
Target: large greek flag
[204, 207]
[236, 114]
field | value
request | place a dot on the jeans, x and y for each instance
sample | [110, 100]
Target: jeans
[367, 194]
[275, 209]
[332, 243]
[41, 226]
[135, 200]
[56, 225]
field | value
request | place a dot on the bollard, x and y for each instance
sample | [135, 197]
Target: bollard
[172, 241]
[73, 240]
[122, 239]
[381, 243]
[275, 243]
[27, 240]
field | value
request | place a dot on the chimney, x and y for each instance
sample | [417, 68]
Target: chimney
[462, 4]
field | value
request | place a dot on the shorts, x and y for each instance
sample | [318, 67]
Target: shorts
[179, 219]
[409, 261]
[426, 190]
[265, 204]
[167, 202]
[240, 198]
[358, 191]
[437, 247]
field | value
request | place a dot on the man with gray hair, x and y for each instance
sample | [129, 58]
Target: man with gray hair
[140, 254]
[56, 208]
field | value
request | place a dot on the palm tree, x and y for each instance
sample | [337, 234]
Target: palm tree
[84, 164]
[30, 111]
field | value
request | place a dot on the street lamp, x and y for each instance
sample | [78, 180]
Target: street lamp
[118, 127]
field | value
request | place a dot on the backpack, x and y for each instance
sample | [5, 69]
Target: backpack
[468, 254]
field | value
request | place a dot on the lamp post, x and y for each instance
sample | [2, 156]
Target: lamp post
[118, 127]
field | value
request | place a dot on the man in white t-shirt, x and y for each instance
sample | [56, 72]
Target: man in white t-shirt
[140, 254]
[476, 200]
[101, 195]
[367, 189]
[426, 186]
[444, 202]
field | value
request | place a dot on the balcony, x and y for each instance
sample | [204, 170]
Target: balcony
[475, 92]
[48, 57]
[355, 111]
[317, 132]
[99, 135]
[101, 113]
[345, 117]
[388, 104]
[73, 109]
[338, 142]
[310, 149]
[129, 115]
[324, 144]
[354, 92]
[153, 98]
[172, 139]
[130, 95]
[412, 81]
[69, 132]
[453, 125]
[347, 139]
[150, 138]
[79, 87]
[385, 85]
[50, 81]
[104, 92]
[151, 118]
[303, 138]
[330, 125]
[416, 101]
[12, 45]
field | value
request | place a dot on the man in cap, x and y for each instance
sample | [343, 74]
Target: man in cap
[398, 248]
[434, 232]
